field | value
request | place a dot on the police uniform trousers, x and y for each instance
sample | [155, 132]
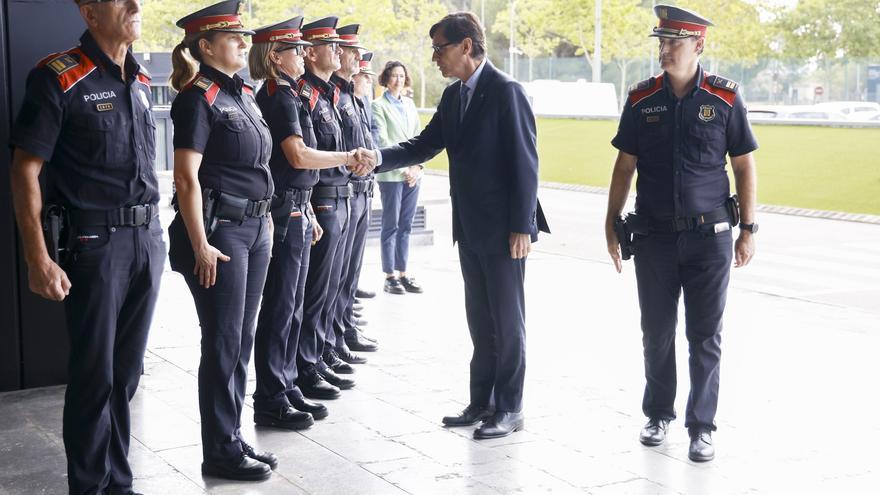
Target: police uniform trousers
[227, 314]
[495, 307]
[697, 264]
[281, 316]
[114, 274]
[355, 242]
[322, 280]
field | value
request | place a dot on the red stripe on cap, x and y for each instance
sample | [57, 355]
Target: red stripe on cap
[210, 22]
[351, 38]
[666, 23]
[319, 33]
[278, 35]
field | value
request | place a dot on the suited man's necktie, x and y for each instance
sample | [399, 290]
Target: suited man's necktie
[464, 101]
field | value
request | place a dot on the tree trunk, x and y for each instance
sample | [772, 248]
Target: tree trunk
[423, 85]
[531, 69]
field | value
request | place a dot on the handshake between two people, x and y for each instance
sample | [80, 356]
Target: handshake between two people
[362, 161]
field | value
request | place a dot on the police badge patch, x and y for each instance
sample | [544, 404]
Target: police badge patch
[707, 113]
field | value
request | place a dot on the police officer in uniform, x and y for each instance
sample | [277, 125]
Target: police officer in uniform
[343, 338]
[330, 201]
[277, 58]
[87, 114]
[675, 130]
[221, 237]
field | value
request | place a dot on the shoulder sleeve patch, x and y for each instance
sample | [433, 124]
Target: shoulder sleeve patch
[69, 67]
[308, 94]
[207, 86]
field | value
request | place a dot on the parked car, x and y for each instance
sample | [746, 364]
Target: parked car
[794, 112]
[852, 110]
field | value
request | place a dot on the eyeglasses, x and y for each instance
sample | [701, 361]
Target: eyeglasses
[298, 48]
[439, 48]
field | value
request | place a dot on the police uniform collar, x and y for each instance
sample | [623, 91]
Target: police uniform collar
[318, 83]
[700, 76]
[90, 47]
[286, 77]
[347, 86]
[231, 85]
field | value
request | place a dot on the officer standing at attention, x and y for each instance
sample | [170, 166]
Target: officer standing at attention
[675, 130]
[221, 237]
[330, 202]
[87, 114]
[277, 58]
[341, 339]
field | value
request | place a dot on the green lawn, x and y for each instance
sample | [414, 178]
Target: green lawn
[810, 167]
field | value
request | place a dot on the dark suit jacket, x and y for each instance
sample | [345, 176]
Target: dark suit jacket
[493, 161]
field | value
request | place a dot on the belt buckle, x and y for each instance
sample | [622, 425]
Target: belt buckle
[139, 215]
[350, 187]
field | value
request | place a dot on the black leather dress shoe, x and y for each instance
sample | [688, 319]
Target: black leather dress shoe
[242, 469]
[358, 343]
[334, 379]
[318, 411]
[287, 418]
[313, 385]
[337, 365]
[115, 490]
[410, 285]
[357, 314]
[500, 425]
[266, 458]
[351, 333]
[701, 448]
[470, 416]
[361, 322]
[349, 357]
[364, 294]
[654, 432]
[393, 286]
[357, 307]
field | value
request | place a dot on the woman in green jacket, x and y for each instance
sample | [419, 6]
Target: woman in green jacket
[395, 120]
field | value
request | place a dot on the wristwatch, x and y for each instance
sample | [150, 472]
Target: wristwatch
[749, 227]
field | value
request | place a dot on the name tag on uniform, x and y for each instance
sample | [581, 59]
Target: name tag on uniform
[104, 107]
[652, 119]
[722, 227]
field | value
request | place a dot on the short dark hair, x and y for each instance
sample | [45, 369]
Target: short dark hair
[386, 73]
[460, 25]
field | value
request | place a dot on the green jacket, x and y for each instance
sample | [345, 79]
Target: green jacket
[393, 129]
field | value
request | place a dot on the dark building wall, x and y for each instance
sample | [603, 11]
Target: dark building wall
[33, 338]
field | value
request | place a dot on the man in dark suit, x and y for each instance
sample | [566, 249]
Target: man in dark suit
[485, 123]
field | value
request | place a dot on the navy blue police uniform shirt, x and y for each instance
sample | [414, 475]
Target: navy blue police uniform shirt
[94, 129]
[681, 144]
[353, 132]
[286, 116]
[321, 98]
[217, 116]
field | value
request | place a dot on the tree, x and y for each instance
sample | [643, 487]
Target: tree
[626, 24]
[530, 29]
[738, 35]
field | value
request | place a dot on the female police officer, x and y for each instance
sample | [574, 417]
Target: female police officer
[277, 58]
[224, 190]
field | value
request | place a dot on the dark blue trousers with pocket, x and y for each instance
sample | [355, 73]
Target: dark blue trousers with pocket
[114, 274]
[695, 264]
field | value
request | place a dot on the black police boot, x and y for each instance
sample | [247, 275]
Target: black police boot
[334, 379]
[318, 411]
[313, 385]
[287, 418]
[266, 458]
[349, 357]
[393, 286]
[654, 432]
[242, 469]
[470, 416]
[337, 365]
[701, 448]
[358, 343]
[364, 294]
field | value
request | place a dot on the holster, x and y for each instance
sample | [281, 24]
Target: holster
[209, 211]
[624, 237]
[282, 207]
[56, 232]
[732, 205]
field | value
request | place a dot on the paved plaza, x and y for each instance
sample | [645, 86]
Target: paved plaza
[798, 408]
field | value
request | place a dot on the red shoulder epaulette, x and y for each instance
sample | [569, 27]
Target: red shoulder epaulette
[70, 67]
[272, 85]
[246, 88]
[306, 91]
[641, 90]
[144, 76]
[335, 95]
[724, 89]
[208, 86]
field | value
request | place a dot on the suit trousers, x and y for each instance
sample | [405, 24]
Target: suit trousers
[495, 307]
[114, 274]
[227, 314]
[281, 314]
[399, 203]
[350, 260]
[697, 264]
[322, 280]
